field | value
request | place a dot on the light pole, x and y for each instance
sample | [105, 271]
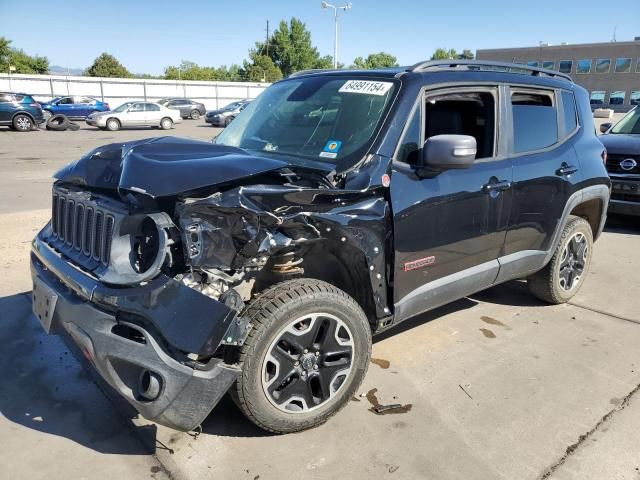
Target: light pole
[344, 7]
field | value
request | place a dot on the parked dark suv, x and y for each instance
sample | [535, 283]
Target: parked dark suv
[337, 205]
[622, 142]
[20, 111]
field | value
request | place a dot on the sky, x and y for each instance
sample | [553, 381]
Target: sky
[148, 35]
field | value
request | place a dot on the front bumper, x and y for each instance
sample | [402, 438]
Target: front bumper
[625, 196]
[135, 356]
[216, 122]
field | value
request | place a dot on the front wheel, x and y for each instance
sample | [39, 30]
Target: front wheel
[305, 356]
[166, 123]
[113, 124]
[563, 276]
[195, 115]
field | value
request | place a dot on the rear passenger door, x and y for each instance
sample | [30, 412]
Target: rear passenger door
[545, 173]
[449, 227]
[152, 114]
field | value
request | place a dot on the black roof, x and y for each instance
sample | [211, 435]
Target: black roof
[441, 66]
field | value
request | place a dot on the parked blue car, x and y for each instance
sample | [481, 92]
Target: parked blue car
[75, 107]
[19, 111]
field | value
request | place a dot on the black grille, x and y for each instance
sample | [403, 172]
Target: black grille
[613, 164]
[83, 226]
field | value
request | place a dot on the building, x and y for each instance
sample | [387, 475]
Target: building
[609, 71]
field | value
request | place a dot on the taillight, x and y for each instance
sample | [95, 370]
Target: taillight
[36, 104]
[604, 156]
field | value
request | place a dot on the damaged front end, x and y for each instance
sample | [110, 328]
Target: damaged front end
[149, 274]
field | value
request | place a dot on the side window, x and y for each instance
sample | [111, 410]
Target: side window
[463, 113]
[410, 146]
[6, 98]
[66, 101]
[535, 120]
[569, 113]
[152, 107]
[137, 107]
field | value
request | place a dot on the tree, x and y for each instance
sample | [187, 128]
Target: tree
[261, 69]
[22, 62]
[291, 50]
[466, 55]
[192, 71]
[375, 60]
[444, 54]
[107, 65]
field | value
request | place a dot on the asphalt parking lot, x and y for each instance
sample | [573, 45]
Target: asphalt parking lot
[500, 385]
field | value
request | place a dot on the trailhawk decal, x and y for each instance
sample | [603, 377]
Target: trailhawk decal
[367, 87]
[420, 263]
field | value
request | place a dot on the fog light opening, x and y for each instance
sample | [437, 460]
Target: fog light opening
[149, 385]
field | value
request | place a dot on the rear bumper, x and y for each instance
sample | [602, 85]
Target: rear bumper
[134, 357]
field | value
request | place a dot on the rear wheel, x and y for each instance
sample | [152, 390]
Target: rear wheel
[561, 279]
[166, 123]
[227, 121]
[113, 124]
[305, 356]
[22, 123]
[195, 115]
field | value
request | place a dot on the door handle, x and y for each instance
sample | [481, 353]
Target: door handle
[566, 170]
[498, 186]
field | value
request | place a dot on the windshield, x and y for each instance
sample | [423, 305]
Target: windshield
[123, 107]
[231, 107]
[630, 123]
[326, 118]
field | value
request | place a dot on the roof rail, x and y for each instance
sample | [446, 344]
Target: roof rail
[486, 65]
[311, 70]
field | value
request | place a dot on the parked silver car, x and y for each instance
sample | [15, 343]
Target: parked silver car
[187, 108]
[135, 114]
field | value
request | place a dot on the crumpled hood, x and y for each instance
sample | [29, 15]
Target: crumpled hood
[621, 144]
[164, 166]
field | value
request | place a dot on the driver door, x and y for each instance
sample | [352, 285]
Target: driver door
[449, 226]
[136, 115]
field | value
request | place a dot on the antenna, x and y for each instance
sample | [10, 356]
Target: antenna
[613, 38]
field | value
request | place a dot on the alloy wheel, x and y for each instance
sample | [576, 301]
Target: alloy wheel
[23, 123]
[573, 261]
[307, 363]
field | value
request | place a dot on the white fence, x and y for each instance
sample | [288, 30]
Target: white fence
[119, 90]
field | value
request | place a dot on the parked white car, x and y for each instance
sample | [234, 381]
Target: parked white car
[135, 114]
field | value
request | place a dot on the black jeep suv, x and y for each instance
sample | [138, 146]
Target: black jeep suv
[336, 205]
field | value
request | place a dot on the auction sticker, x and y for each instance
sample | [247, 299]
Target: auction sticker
[367, 87]
[331, 149]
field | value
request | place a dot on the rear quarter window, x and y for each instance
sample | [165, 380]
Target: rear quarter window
[570, 119]
[535, 120]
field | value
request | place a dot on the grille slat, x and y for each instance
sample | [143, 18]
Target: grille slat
[78, 224]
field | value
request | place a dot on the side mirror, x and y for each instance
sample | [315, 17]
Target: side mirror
[605, 127]
[445, 152]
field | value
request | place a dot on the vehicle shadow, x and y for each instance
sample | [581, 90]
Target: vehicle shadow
[44, 388]
[457, 306]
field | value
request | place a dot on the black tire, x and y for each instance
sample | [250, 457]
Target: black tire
[227, 121]
[563, 276]
[113, 124]
[58, 123]
[273, 314]
[74, 127]
[194, 115]
[46, 114]
[166, 123]
[22, 123]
